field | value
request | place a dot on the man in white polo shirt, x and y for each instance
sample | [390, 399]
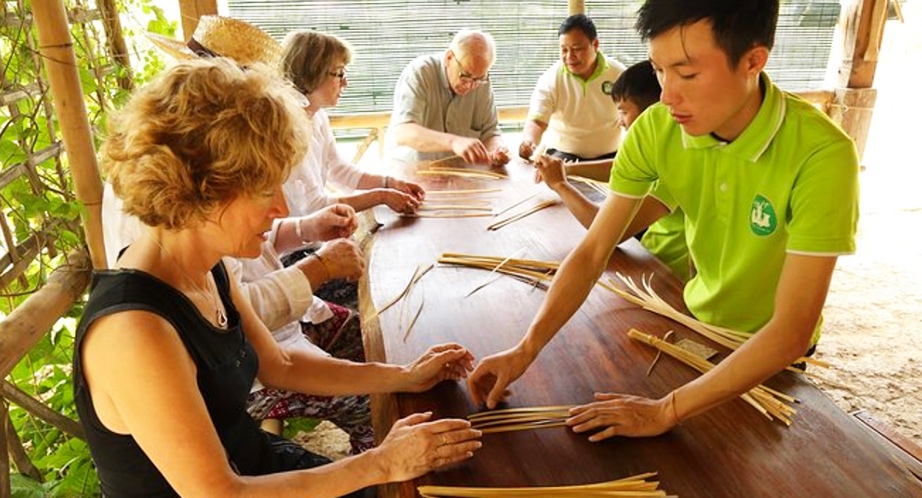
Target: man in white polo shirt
[769, 188]
[572, 102]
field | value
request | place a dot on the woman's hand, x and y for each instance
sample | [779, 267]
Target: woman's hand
[441, 362]
[400, 202]
[342, 258]
[332, 222]
[408, 188]
[415, 446]
[624, 415]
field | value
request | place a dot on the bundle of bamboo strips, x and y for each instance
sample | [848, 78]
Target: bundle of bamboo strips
[648, 299]
[518, 216]
[634, 486]
[520, 419]
[528, 270]
[767, 401]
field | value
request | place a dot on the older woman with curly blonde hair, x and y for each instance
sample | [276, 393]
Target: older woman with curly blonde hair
[168, 348]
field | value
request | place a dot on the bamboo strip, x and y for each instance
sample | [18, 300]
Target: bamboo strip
[446, 215]
[635, 486]
[467, 170]
[463, 191]
[413, 321]
[499, 224]
[444, 159]
[418, 274]
[497, 267]
[455, 207]
[517, 203]
[598, 186]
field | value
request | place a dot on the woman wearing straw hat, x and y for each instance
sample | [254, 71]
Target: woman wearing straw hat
[168, 347]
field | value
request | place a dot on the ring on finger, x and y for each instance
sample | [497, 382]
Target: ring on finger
[443, 440]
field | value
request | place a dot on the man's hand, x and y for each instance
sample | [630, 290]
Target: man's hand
[332, 222]
[499, 156]
[527, 149]
[472, 150]
[550, 170]
[624, 415]
[489, 382]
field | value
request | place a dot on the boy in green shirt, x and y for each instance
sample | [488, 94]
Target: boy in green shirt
[769, 186]
[633, 91]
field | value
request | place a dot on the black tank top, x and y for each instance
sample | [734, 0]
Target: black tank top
[226, 365]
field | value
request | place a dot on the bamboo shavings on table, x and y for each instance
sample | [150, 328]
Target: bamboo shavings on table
[418, 274]
[635, 486]
[534, 209]
[648, 299]
[520, 419]
[767, 401]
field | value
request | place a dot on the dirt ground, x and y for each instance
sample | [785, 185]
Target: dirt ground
[873, 329]
[874, 309]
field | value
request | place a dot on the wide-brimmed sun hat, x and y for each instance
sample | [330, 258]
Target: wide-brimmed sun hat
[218, 36]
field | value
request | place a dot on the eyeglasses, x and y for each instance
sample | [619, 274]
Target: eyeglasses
[468, 78]
[340, 75]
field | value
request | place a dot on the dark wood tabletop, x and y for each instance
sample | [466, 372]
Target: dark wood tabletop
[730, 451]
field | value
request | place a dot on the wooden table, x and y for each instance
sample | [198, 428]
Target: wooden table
[731, 451]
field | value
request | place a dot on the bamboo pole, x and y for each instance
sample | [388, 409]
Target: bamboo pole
[57, 49]
[5, 491]
[32, 319]
[70, 427]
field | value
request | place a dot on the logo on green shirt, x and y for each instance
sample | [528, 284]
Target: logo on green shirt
[762, 218]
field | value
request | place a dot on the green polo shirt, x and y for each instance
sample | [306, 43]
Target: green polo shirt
[787, 184]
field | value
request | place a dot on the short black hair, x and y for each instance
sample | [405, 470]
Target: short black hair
[580, 22]
[738, 25]
[638, 84]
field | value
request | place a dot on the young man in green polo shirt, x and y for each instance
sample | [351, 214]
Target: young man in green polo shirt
[770, 189]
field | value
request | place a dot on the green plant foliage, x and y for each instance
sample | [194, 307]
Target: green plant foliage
[42, 206]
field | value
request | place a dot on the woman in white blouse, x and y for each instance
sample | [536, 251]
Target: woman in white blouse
[316, 63]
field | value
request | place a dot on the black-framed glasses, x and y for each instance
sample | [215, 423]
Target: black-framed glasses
[468, 78]
[340, 75]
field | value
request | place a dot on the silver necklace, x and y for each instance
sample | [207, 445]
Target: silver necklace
[220, 315]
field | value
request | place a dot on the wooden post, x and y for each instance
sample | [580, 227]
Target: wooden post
[191, 10]
[862, 24]
[57, 50]
[577, 6]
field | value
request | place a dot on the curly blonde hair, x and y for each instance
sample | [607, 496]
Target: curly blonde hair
[202, 134]
[307, 57]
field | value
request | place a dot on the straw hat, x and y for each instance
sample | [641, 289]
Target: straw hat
[217, 36]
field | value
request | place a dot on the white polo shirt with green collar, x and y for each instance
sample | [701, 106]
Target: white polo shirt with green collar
[787, 184]
[581, 116]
